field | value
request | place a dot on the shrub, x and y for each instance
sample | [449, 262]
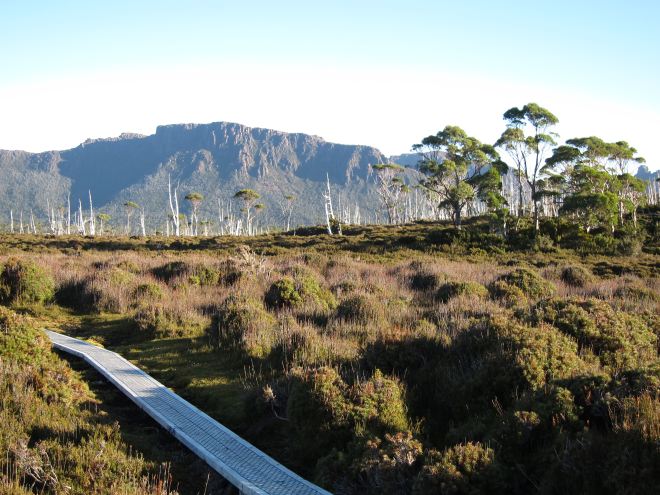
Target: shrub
[507, 294]
[576, 276]
[462, 469]
[302, 288]
[172, 270]
[318, 411]
[148, 292]
[242, 324]
[637, 293]
[529, 282]
[454, 289]
[283, 293]
[360, 309]
[23, 282]
[425, 281]
[161, 322]
[380, 406]
[620, 340]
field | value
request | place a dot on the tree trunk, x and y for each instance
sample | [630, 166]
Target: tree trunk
[457, 217]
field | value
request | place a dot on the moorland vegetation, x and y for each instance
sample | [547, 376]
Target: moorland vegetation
[393, 359]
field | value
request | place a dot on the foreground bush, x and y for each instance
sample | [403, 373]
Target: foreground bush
[23, 282]
[52, 438]
[620, 340]
[242, 324]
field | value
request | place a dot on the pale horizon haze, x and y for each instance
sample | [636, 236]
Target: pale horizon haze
[378, 73]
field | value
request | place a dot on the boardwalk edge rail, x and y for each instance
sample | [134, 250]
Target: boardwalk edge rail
[243, 485]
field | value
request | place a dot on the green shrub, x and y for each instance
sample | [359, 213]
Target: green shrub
[171, 270]
[24, 282]
[462, 469]
[129, 266]
[379, 406]
[148, 292]
[529, 282]
[303, 287]
[242, 324]
[454, 289]
[160, 322]
[319, 412]
[620, 340]
[283, 293]
[576, 276]
[507, 294]
[425, 281]
[207, 275]
[360, 308]
[637, 293]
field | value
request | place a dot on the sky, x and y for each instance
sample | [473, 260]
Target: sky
[383, 73]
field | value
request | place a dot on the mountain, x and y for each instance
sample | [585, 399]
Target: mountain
[214, 159]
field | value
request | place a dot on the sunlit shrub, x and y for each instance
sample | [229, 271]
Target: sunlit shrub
[576, 275]
[360, 308]
[620, 340]
[242, 324]
[529, 282]
[462, 469]
[454, 289]
[22, 282]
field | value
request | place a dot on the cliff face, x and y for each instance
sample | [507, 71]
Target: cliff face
[214, 159]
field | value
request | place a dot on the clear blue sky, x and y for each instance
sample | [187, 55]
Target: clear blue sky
[606, 50]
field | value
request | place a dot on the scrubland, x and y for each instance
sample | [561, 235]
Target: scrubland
[389, 360]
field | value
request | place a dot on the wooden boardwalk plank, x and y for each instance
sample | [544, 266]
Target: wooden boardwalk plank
[242, 464]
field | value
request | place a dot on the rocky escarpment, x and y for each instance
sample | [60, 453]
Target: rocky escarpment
[214, 159]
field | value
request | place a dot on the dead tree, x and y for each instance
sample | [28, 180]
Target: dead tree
[174, 207]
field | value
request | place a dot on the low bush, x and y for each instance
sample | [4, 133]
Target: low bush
[462, 469]
[302, 288]
[242, 324]
[361, 309]
[157, 321]
[576, 276]
[24, 282]
[148, 292]
[507, 294]
[454, 289]
[620, 340]
[283, 293]
[529, 282]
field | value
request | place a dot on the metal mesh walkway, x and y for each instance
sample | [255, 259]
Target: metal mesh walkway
[242, 464]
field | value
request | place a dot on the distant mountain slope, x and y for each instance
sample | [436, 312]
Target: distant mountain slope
[215, 159]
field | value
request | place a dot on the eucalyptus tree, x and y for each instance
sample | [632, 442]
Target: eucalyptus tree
[286, 206]
[527, 139]
[632, 191]
[610, 163]
[195, 200]
[130, 207]
[458, 169]
[103, 218]
[391, 188]
[249, 197]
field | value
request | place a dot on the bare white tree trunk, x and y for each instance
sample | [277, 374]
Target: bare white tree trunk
[174, 207]
[81, 219]
[92, 223]
[144, 232]
[33, 227]
[11, 221]
[21, 224]
[68, 219]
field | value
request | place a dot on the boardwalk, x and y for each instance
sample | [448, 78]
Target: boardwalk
[246, 467]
